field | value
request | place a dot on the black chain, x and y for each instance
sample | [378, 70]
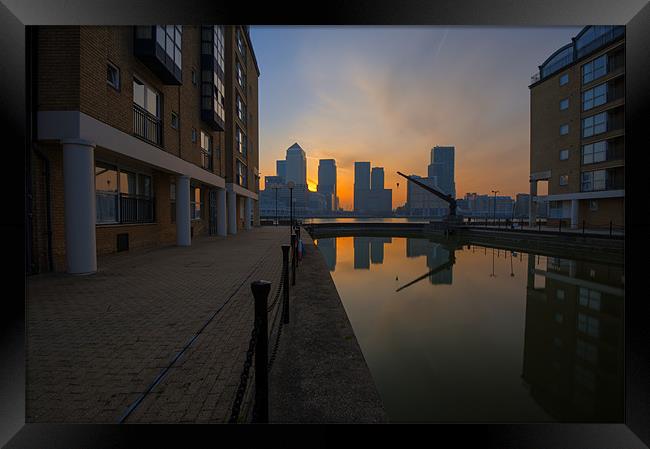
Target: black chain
[277, 293]
[276, 344]
[243, 378]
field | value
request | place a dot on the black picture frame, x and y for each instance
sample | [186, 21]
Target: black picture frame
[16, 15]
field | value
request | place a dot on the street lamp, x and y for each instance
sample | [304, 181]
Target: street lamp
[495, 204]
[291, 185]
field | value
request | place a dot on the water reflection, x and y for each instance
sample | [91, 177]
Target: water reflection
[494, 335]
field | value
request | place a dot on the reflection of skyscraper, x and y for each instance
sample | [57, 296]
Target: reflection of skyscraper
[377, 248]
[327, 247]
[436, 255]
[361, 253]
[573, 353]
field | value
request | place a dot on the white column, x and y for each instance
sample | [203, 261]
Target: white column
[532, 204]
[574, 214]
[248, 210]
[79, 207]
[183, 221]
[222, 218]
[232, 212]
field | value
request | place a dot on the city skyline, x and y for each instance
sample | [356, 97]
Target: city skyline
[390, 94]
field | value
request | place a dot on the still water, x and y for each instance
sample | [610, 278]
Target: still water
[478, 334]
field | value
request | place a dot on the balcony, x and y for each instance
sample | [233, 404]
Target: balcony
[159, 47]
[147, 126]
[136, 209]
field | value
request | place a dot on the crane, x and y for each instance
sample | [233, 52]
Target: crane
[443, 196]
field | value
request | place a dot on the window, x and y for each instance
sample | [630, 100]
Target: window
[594, 152]
[564, 78]
[564, 104]
[588, 325]
[593, 205]
[594, 124]
[206, 151]
[564, 154]
[564, 180]
[145, 97]
[241, 76]
[594, 69]
[564, 130]
[240, 44]
[122, 196]
[594, 97]
[589, 298]
[174, 120]
[242, 174]
[169, 37]
[241, 141]
[193, 77]
[193, 135]
[212, 71]
[594, 180]
[196, 203]
[241, 109]
[113, 76]
[106, 193]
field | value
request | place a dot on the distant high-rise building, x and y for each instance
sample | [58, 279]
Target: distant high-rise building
[377, 178]
[327, 182]
[361, 185]
[281, 169]
[422, 203]
[442, 168]
[296, 165]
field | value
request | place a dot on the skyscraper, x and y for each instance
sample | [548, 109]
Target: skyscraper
[361, 185]
[442, 168]
[377, 178]
[327, 182]
[296, 165]
[281, 169]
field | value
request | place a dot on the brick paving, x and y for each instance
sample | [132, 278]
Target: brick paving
[95, 343]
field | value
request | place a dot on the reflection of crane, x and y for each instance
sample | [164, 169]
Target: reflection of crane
[450, 263]
[443, 196]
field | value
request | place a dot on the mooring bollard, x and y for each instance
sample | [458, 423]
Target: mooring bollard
[285, 281]
[293, 259]
[261, 291]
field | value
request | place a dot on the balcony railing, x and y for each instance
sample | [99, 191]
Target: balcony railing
[136, 209]
[147, 125]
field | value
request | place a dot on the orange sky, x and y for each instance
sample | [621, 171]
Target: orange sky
[389, 94]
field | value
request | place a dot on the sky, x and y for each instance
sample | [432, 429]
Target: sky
[389, 94]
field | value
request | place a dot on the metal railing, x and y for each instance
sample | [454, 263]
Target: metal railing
[136, 209]
[206, 160]
[253, 391]
[146, 125]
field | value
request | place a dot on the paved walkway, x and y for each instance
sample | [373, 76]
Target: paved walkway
[96, 343]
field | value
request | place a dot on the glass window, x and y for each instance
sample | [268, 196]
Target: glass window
[193, 135]
[152, 101]
[113, 76]
[564, 155]
[196, 203]
[174, 120]
[240, 139]
[594, 69]
[594, 124]
[594, 152]
[594, 180]
[593, 205]
[588, 325]
[564, 129]
[241, 109]
[127, 183]
[594, 97]
[564, 78]
[105, 193]
[138, 92]
[242, 174]
[564, 180]
[564, 104]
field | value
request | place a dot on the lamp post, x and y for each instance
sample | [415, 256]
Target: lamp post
[495, 204]
[290, 184]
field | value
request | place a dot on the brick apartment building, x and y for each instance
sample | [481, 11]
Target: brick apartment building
[577, 132]
[141, 136]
